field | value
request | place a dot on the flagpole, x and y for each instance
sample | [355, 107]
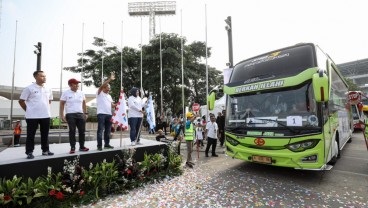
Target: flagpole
[162, 109]
[12, 91]
[82, 72]
[141, 55]
[121, 57]
[182, 63]
[103, 46]
[61, 77]
[121, 79]
[205, 6]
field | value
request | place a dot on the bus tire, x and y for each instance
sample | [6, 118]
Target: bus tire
[337, 149]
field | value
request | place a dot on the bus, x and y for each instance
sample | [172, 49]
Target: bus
[356, 102]
[287, 107]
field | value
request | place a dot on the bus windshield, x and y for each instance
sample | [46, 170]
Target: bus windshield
[288, 112]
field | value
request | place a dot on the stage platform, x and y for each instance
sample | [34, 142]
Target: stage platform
[13, 161]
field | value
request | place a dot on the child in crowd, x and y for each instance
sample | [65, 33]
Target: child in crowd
[199, 135]
[160, 136]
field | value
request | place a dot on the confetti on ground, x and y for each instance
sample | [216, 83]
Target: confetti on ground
[204, 186]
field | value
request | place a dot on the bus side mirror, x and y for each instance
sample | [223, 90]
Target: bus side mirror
[320, 87]
[211, 100]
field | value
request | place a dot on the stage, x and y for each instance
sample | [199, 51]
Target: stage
[13, 160]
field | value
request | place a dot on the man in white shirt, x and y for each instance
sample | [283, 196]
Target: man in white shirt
[211, 132]
[35, 101]
[74, 103]
[135, 114]
[104, 115]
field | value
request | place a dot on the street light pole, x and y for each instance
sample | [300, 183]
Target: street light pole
[38, 52]
[230, 40]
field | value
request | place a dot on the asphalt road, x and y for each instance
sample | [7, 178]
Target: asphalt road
[227, 182]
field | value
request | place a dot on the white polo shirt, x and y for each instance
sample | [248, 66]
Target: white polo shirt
[37, 100]
[212, 129]
[135, 105]
[73, 101]
[104, 101]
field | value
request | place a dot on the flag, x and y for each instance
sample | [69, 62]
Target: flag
[120, 116]
[150, 113]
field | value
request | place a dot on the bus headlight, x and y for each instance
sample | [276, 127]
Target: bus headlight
[232, 141]
[302, 146]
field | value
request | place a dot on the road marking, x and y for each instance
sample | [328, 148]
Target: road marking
[343, 171]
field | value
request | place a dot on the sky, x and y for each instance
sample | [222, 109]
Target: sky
[338, 26]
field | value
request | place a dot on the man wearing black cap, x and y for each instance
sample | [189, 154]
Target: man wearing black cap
[74, 103]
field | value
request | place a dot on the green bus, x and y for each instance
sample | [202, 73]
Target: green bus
[288, 108]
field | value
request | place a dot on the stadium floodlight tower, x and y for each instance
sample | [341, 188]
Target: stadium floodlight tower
[152, 9]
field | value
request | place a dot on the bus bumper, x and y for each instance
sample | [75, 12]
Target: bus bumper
[306, 160]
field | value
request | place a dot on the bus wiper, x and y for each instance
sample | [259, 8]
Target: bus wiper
[237, 127]
[259, 78]
[281, 124]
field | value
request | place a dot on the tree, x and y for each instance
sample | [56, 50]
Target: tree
[351, 85]
[194, 70]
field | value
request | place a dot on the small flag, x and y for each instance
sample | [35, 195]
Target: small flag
[120, 116]
[150, 113]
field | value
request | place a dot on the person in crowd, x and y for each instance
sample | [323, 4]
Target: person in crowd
[73, 101]
[211, 133]
[177, 128]
[164, 123]
[218, 117]
[135, 115]
[189, 137]
[35, 100]
[199, 134]
[104, 114]
[160, 136]
[221, 126]
[17, 133]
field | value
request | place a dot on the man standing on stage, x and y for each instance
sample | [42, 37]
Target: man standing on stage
[104, 115]
[74, 103]
[35, 101]
[135, 114]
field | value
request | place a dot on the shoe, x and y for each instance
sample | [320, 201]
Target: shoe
[214, 155]
[133, 143]
[206, 155]
[192, 163]
[72, 151]
[139, 143]
[17, 145]
[108, 147]
[99, 148]
[189, 165]
[47, 153]
[30, 156]
[83, 149]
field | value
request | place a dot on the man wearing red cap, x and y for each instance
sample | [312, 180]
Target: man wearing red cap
[73, 101]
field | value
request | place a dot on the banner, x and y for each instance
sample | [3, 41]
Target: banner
[150, 113]
[120, 116]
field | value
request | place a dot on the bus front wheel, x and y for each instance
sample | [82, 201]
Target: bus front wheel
[336, 149]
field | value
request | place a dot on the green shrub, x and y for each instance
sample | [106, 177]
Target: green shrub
[77, 185]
